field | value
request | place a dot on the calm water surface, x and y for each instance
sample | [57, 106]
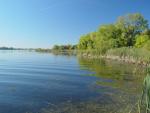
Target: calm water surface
[33, 82]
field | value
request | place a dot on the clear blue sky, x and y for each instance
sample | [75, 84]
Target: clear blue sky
[43, 23]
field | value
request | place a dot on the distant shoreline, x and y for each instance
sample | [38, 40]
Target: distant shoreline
[12, 48]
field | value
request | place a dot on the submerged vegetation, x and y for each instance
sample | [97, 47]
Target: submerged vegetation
[112, 104]
[122, 98]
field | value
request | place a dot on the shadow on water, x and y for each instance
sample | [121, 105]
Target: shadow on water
[119, 85]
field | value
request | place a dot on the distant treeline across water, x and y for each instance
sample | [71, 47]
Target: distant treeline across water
[12, 48]
[7, 48]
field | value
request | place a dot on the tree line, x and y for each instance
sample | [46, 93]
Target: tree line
[131, 30]
[64, 47]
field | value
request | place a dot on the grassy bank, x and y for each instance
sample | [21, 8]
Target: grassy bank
[132, 55]
[126, 54]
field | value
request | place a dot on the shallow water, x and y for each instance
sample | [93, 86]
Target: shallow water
[33, 82]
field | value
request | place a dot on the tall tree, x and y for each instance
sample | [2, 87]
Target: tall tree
[86, 42]
[131, 25]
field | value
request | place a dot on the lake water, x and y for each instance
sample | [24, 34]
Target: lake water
[33, 82]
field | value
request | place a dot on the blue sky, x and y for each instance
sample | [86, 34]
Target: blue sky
[43, 23]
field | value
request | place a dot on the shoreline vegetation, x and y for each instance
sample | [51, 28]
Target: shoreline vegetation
[60, 49]
[12, 48]
[128, 40]
[128, 55]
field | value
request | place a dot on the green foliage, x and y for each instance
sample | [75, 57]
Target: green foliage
[129, 30]
[146, 32]
[141, 40]
[64, 47]
[42, 50]
[86, 42]
[136, 22]
[131, 25]
[146, 92]
[56, 47]
[7, 48]
[107, 38]
[147, 45]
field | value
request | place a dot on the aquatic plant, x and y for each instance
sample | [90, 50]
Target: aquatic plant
[134, 55]
[145, 100]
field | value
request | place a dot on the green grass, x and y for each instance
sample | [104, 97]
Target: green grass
[137, 54]
[130, 54]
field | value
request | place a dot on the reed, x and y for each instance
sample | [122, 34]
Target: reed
[134, 55]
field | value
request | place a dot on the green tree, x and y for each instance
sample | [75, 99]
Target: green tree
[107, 37]
[86, 42]
[56, 47]
[147, 45]
[129, 30]
[141, 40]
[131, 25]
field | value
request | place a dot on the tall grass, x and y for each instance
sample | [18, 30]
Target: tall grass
[136, 55]
[129, 54]
[145, 100]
